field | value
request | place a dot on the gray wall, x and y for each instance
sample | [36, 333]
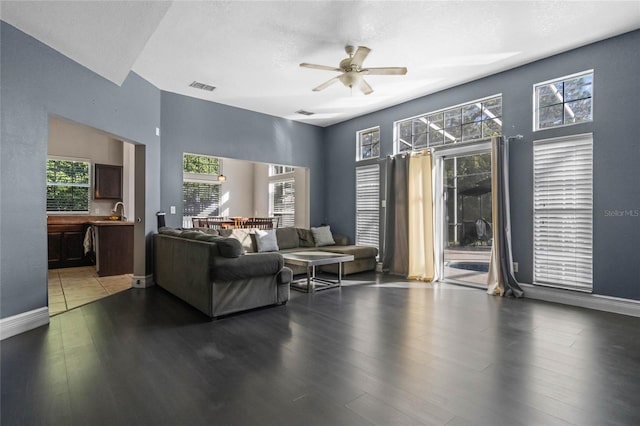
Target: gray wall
[202, 127]
[37, 82]
[616, 64]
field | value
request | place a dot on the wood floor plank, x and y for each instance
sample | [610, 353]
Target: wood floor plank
[380, 351]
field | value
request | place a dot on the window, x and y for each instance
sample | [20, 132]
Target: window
[368, 205]
[275, 170]
[475, 120]
[565, 101]
[562, 212]
[368, 144]
[200, 187]
[68, 185]
[282, 201]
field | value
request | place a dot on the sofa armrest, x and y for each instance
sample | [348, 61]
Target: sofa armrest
[246, 266]
[341, 240]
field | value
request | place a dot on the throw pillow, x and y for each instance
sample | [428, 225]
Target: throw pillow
[229, 247]
[306, 237]
[266, 240]
[287, 238]
[322, 236]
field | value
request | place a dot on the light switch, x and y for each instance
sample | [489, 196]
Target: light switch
[173, 209]
[157, 131]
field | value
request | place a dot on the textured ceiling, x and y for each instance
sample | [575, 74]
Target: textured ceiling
[251, 50]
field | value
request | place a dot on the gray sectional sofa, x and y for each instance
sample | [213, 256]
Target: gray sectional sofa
[291, 240]
[212, 273]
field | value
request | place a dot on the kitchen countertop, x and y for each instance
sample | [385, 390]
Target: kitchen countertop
[110, 223]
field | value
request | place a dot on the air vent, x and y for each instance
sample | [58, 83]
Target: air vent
[303, 112]
[202, 86]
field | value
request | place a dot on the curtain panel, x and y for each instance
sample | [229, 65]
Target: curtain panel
[421, 244]
[396, 244]
[501, 280]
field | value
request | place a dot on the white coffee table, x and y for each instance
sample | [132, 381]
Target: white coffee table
[311, 259]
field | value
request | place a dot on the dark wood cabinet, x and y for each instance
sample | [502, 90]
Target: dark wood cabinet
[65, 245]
[108, 182]
[114, 248]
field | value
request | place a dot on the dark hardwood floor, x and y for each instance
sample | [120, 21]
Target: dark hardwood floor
[384, 353]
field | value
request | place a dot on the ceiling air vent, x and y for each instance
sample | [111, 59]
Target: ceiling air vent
[303, 112]
[202, 86]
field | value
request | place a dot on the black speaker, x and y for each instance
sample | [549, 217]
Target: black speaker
[161, 223]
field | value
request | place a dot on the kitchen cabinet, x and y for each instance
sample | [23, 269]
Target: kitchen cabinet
[65, 245]
[108, 182]
[113, 242]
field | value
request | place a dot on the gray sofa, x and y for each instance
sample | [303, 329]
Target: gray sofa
[291, 240]
[212, 273]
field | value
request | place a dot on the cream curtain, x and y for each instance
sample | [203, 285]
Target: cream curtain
[420, 194]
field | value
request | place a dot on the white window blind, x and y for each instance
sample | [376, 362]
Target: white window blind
[282, 197]
[563, 211]
[368, 205]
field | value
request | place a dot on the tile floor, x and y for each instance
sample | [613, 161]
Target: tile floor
[73, 287]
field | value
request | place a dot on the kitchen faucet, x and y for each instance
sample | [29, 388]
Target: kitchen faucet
[115, 210]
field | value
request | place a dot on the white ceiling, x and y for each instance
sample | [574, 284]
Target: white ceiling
[251, 50]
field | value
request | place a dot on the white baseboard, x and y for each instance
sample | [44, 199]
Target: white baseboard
[142, 281]
[25, 321]
[585, 300]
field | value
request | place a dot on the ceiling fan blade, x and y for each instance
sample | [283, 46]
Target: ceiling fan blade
[365, 88]
[320, 67]
[360, 56]
[326, 84]
[385, 71]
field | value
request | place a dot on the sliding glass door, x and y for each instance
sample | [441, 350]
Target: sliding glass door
[466, 215]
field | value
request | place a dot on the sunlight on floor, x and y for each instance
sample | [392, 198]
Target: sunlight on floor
[73, 287]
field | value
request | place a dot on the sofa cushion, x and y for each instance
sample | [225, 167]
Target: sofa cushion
[322, 236]
[191, 235]
[358, 252]
[305, 238]
[251, 265]
[170, 231]
[266, 240]
[207, 237]
[229, 247]
[287, 238]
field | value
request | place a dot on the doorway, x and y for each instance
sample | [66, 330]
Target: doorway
[465, 213]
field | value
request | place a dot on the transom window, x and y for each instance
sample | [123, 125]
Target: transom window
[368, 144]
[475, 120]
[564, 101]
[200, 187]
[275, 170]
[68, 185]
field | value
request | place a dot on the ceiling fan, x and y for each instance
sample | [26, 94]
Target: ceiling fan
[352, 71]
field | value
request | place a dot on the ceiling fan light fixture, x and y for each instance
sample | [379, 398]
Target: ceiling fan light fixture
[352, 70]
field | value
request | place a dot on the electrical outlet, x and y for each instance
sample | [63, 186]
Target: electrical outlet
[173, 209]
[515, 266]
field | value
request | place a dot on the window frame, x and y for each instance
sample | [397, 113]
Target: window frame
[89, 185]
[396, 125]
[204, 178]
[359, 137]
[575, 214]
[365, 168]
[285, 172]
[282, 179]
[536, 109]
